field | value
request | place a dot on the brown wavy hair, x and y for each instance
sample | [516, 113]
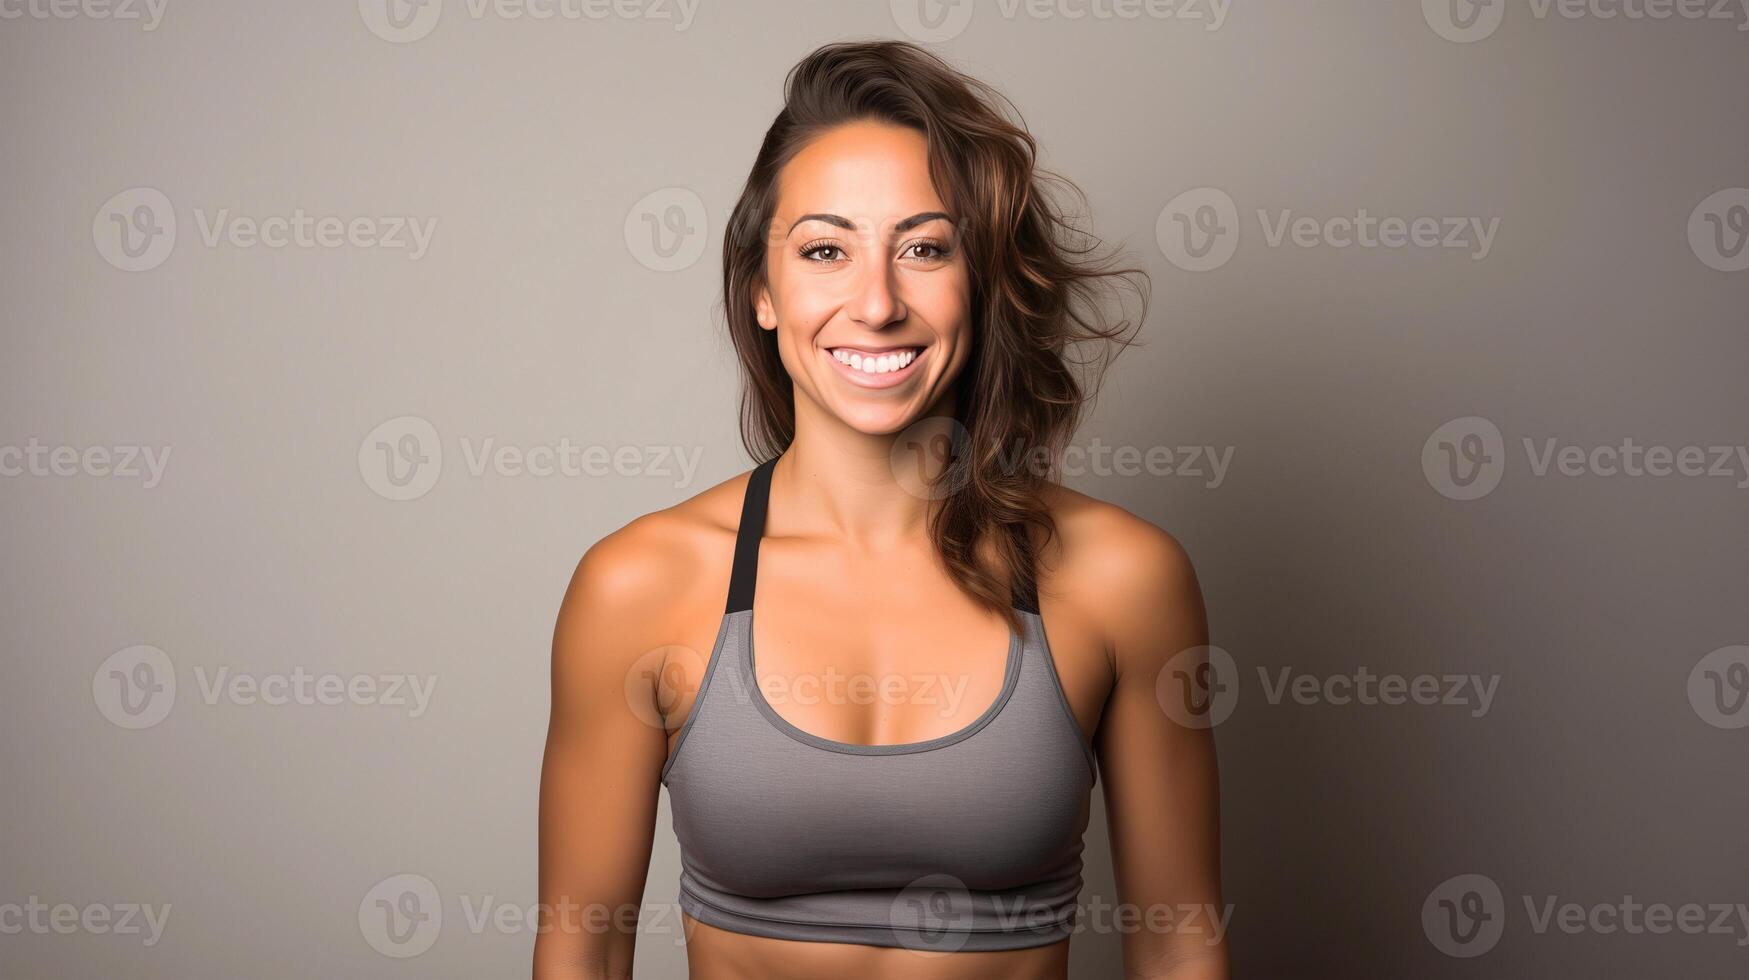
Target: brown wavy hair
[1035, 295]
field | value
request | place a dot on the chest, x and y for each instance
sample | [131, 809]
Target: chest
[882, 656]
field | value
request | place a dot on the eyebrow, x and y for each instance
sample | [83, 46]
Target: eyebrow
[848, 225]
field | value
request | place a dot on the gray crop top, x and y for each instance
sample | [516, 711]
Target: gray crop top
[968, 841]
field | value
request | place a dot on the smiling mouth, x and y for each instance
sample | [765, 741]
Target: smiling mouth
[875, 363]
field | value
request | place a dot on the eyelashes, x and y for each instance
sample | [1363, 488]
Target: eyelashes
[941, 251]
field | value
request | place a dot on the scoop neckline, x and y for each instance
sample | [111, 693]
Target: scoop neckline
[1010, 680]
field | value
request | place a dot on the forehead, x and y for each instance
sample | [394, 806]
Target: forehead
[872, 173]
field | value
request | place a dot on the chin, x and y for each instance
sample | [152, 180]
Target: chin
[884, 426]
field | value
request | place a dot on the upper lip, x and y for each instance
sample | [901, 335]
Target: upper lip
[875, 350]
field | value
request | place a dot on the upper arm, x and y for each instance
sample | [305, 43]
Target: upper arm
[604, 753]
[1158, 765]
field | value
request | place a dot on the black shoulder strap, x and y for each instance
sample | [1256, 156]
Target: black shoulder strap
[1025, 595]
[752, 528]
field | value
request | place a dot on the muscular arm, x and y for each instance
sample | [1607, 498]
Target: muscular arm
[604, 753]
[1161, 792]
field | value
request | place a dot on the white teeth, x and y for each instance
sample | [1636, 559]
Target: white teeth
[876, 364]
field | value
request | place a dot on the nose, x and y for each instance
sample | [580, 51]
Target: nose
[876, 302]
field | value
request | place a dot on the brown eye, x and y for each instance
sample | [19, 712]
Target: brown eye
[810, 251]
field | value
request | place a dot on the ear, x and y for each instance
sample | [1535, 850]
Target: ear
[763, 312]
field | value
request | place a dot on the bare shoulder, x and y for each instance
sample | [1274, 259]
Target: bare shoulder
[646, 578]
[1129, 576]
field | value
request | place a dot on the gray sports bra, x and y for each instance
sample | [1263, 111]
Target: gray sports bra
[968, 841]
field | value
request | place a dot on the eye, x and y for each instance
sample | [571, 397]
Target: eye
[933, 251]
[810, 250]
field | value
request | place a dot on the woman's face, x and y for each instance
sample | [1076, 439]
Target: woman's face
[866, 284]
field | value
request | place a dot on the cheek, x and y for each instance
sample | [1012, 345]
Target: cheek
[796, 345]
[807, 306]
[946, 305]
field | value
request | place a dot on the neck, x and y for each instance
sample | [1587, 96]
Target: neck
[854, 486]
[854, 496]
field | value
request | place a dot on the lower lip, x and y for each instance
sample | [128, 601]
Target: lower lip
[865, 380]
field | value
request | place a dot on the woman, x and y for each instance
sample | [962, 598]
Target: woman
[904, 789]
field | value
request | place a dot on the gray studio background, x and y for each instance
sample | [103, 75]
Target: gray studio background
[1384, 414]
